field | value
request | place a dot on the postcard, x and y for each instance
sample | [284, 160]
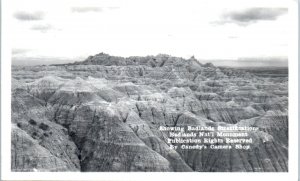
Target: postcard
[137, 89]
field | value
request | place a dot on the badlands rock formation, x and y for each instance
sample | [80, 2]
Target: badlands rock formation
[104, 114]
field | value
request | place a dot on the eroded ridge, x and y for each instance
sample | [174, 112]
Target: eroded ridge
[104, 114]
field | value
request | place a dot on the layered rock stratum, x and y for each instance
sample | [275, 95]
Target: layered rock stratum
[104, 114]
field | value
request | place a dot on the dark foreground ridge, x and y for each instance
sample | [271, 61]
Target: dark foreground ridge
[104, 114]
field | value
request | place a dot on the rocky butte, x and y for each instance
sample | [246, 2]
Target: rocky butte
[104, 114]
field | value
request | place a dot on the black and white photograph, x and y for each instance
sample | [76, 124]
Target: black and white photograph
[150, 86]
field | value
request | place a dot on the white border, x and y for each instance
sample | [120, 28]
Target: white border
[6, 124]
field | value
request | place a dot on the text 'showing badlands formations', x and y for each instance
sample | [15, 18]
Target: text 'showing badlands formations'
[115, 114]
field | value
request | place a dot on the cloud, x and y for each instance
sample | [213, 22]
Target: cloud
[42, 27]
[42, 60]
[29, 16]
[113, 8]
[232, 37]
[19, 51]
[271, 61]
[264, 59]
[255, 14]
[251, 15]
[86, 9]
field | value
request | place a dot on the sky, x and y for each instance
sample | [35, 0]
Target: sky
[227, 31]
